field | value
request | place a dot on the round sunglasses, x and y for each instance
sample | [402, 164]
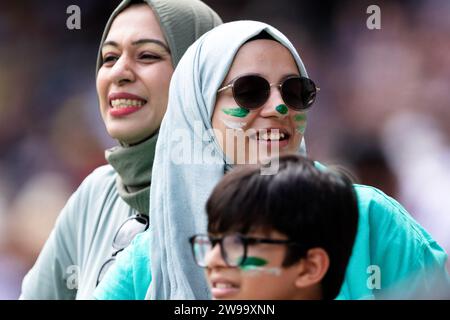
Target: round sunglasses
[252, 91]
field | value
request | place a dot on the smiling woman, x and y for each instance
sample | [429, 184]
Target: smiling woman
[133, 81]
[265, 89]
[141, 45]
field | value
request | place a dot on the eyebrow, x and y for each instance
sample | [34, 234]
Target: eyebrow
[139, 42]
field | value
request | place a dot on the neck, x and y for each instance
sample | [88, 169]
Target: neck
[311, 293]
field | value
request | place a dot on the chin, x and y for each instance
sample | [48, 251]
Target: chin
[126, 135]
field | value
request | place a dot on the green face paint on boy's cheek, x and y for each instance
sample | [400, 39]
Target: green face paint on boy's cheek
[251, 262]
[236, 112]
[283, 109]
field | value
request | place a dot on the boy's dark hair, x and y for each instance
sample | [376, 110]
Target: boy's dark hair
[311, 206]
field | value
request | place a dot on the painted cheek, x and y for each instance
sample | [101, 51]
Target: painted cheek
[237, 113]
[300, 123]
[253, 262]
[254, 266]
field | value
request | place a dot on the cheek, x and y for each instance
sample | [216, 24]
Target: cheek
[157, 81]
[218, 126]
[299, 123]
[102, 93]
[261, 287]
[228, 115]
[102, 85]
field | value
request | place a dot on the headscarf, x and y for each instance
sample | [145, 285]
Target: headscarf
[182, 22]
[180, 190]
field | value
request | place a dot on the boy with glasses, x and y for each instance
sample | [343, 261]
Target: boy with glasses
[283, 236]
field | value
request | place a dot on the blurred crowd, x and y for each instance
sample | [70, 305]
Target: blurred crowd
[382, 113]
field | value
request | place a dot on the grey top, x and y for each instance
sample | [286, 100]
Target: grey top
[80, 242]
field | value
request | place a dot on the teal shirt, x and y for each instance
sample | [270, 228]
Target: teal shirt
[130, 276]
[389, 245]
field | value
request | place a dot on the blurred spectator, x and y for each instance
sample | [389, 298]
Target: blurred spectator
[418, 152]
[26, 227]
[365, 157]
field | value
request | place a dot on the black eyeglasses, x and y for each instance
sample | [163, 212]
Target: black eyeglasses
[124, 235]
[252, 91]
[233, 247]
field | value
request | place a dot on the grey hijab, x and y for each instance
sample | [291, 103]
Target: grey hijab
[182, 22]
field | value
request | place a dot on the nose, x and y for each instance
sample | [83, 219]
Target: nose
[214, 259]
[274, 106]
[122, 71]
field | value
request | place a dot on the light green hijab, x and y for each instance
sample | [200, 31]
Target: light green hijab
[182, 22]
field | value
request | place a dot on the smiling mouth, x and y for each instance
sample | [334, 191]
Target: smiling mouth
[223, 285]
[223, 289]
[269, 135]
[126, 103]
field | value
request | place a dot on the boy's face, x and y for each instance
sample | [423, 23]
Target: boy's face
[261, 277]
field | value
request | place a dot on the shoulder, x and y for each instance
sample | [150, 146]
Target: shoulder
[395, 235]
[386, 213]
[102, 175]
[382, 216]
[97, 185]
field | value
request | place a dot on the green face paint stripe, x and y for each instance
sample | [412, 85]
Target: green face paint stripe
[283, 109]
[300, 117]
[253, 262]
[301, 129]
[236, 112]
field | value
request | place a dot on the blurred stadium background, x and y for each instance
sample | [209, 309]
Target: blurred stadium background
[382, 113]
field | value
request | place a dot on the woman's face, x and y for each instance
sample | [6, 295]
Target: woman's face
[133, 82]
[274, 62]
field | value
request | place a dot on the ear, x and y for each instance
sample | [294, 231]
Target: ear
[312, 268]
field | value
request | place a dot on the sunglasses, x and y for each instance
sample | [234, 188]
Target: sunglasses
[252, 91]
[124, 235]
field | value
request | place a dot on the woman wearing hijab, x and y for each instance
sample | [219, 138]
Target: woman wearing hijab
[142, 43]
[222, 83]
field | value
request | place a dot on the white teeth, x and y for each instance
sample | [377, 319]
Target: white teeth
[223, 285]
[263, 136]
[271, 136]
[123, 103]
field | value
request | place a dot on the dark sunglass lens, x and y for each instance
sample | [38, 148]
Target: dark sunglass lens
[251, 91]
[129, 229]
[298, 93]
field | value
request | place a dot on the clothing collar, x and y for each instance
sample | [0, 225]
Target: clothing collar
[133, 165]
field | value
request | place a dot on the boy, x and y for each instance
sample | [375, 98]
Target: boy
[283, 236]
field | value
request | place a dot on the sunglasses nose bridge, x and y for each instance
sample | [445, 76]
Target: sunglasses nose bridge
[274, 99]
